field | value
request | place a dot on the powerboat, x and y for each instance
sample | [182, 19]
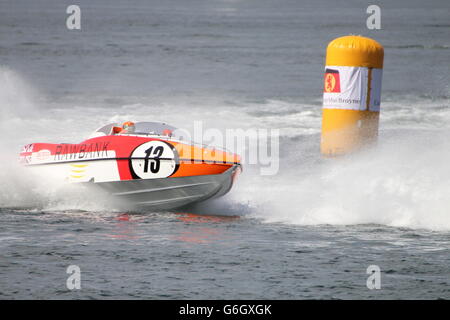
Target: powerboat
[152, 167]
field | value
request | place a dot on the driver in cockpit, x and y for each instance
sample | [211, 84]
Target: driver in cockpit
[127, 127]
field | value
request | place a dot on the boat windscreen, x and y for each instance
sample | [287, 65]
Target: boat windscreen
[147, 128]
[158, 128]
[105, 129]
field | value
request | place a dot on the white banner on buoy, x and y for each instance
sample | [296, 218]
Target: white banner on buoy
[346, 88]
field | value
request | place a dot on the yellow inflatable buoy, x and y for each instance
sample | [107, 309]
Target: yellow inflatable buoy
[352, 93]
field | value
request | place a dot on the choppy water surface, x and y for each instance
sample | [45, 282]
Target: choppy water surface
[310, 231]
[167, 255]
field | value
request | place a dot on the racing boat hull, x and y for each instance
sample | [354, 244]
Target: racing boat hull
[170, 193]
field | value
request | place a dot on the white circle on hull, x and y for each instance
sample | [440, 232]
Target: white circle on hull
[153, 160]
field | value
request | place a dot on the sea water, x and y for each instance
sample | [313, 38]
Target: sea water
[312, 230]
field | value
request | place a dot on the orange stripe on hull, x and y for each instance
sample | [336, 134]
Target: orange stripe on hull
[199, 169]
[206, 153]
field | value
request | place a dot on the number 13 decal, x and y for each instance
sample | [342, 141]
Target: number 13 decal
[153, 159]
[156, 163]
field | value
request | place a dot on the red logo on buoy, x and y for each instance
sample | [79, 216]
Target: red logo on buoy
[332, 81]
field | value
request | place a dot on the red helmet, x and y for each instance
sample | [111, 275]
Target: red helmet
[127, 124]
[128, 127]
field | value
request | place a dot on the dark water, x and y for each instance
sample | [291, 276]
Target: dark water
[310, 231]
[187, 256]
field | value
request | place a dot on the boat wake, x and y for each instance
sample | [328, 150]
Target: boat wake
[403, 182]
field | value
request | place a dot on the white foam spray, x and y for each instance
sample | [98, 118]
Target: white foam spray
[24, 121]
[16, 109]
[403, 182]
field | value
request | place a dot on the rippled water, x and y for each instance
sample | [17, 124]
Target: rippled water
[188, 256]
[310, 231]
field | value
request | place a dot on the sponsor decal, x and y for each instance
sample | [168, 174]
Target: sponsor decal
[332, 81]
[348, 88]
[78, 171]
[81, 151]
[27, 148]
[43, 155]
[375, 89]
[345, 88]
